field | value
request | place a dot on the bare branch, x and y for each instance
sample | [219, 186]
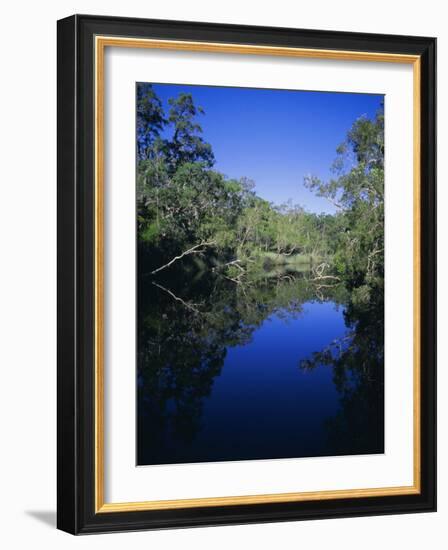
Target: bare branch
[186, 304]
[192, 250]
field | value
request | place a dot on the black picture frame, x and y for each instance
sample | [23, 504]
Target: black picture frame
[76, 512]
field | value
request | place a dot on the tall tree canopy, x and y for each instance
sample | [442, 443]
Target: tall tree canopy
[357, 191]
[187, 144]
[150, 121]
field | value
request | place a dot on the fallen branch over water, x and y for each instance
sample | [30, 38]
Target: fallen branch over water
[319, 276]
[192, 250]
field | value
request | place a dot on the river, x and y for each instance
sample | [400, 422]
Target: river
[276, 368]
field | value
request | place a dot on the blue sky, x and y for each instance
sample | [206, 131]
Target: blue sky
[275, 137]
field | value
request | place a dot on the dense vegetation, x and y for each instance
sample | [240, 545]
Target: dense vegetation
[192, 215]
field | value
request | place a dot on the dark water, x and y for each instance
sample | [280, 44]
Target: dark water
[277, 368]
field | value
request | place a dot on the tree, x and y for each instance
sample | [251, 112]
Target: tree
[150, 122]
[187, 144]
[357, 191]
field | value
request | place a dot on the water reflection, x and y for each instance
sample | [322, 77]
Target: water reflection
[278, 367]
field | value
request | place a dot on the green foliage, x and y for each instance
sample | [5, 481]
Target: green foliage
[187, 145]
[187, 209]
[358, 193]
[150, 122]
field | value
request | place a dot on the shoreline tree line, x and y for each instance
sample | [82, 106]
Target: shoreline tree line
[188, 213]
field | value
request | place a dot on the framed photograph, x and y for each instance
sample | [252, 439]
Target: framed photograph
[246, 271]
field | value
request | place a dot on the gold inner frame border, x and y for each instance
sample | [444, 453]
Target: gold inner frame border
[100, 43]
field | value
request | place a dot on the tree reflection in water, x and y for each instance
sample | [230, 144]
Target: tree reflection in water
[357, 362]
[186, 330]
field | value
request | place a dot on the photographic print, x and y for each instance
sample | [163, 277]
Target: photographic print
[260, 273]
